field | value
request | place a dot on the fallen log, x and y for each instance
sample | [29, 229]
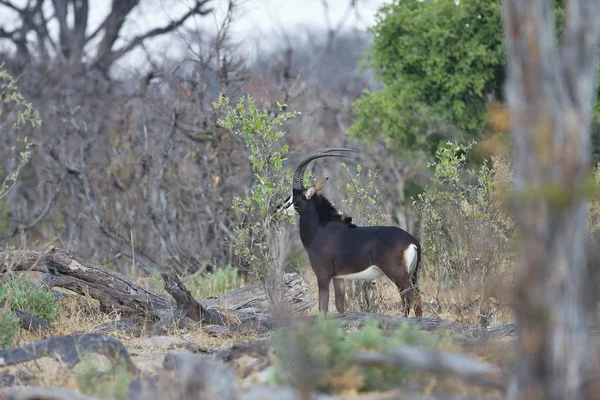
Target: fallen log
[29, 321]
[247, 308]
[434, 361]
[252, 307]
[32, 323]
[390, 323]
[42, 393]
[69, 350]
[82, 277]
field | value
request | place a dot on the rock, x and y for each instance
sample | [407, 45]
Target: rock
[200, 377]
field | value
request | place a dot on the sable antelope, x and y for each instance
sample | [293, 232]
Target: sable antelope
[338, 249]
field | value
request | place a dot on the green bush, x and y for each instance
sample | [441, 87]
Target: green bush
[463, 223]
[113, 383]
[25, 295]
[363, 199]
[9, 327]
[15, 112]
[466, 234]
[260, 235]
[221, 281]
[319, 356]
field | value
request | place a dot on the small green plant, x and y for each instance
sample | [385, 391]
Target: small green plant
[260, 235]
[15, 112]
[9, 327]
[23, 294]
[221, 281]
[112, 383]
[371, 338]
[319, 356]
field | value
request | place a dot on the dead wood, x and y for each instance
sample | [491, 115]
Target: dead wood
[42, 393]
[260, 348]
[246, 308]
[29, 321]
[259, 392]
[434, 361]
[251, 304]
[69, 350]
[389, 323]
[111, 289]
[200, 377]
[80, 276]
[187, 304]
[32, 323]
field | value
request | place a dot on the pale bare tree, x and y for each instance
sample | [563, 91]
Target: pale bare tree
[550, 92]
[102, 45]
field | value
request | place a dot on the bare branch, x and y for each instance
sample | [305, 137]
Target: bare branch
[68, 349]
[434, 361]
[106, 56]
[12, 6]
[42, 393]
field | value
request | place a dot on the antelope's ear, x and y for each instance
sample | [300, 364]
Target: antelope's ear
[319, 185]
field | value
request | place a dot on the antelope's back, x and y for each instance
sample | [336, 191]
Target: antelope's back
[364, 245]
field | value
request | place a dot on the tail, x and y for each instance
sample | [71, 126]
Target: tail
[415, 273]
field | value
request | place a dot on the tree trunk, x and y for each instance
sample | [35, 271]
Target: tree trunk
[550, 93]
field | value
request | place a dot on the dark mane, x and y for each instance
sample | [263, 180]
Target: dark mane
[327, 212]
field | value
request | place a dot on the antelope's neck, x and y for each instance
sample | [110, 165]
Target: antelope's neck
[309, 224]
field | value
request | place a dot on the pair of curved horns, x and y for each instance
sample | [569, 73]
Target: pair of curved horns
[325, 152]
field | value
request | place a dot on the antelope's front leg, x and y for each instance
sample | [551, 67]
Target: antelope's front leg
[339, 289]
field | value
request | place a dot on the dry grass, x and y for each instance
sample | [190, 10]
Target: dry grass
[462, 303]
[81, 315]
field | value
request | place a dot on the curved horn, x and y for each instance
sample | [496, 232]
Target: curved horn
[301, 168]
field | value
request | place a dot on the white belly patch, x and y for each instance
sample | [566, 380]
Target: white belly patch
[371, 273]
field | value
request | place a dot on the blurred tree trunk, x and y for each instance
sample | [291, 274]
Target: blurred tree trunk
[550, 93]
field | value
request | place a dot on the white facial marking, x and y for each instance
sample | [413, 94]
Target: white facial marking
[287, 208]
[310, 192]
[369, 274]
[410, 258]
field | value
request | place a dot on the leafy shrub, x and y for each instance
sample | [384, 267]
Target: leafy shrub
[465, 232]
[363, 199]
[112, 383]
[23, 294]
[319, 356]
[220, 281]
[15, 112]
[260, 235]
[9, 327]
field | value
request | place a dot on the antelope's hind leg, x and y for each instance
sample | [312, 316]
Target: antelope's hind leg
[339, 288]
[324, 295]
[411, 297]
[418, 303]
